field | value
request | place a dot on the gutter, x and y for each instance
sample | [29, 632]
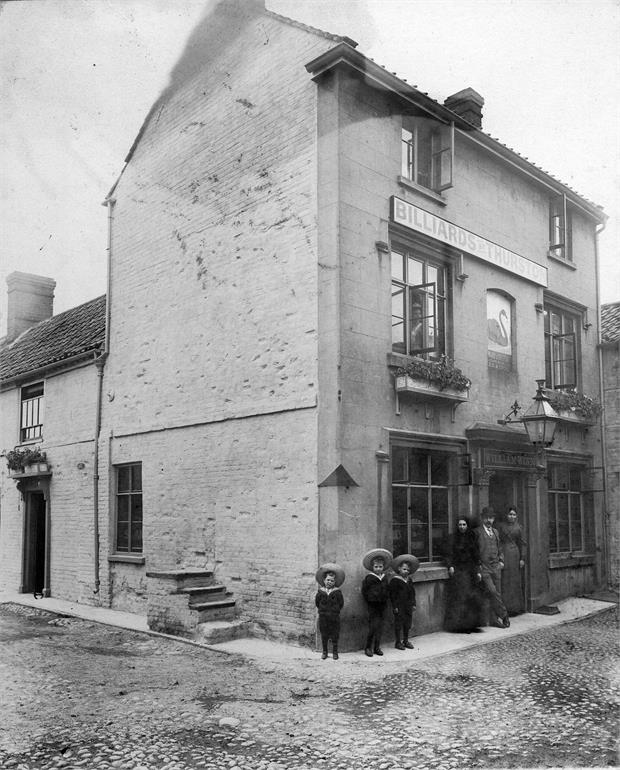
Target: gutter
[83, 357]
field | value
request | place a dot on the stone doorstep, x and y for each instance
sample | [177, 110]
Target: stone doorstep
[216, 588]
[213, 604]
[184, 578]
[219, 631]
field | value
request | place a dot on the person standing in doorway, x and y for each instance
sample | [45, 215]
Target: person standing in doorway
[513, 546]
[491, 566]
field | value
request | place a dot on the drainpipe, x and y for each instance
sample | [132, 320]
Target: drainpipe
[100, 364]
[599, 340]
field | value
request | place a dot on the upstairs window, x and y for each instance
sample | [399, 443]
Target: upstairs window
[129, 508]
[427, 153]
[418, 305]
[560, 229]
[561, 348]
[31, 422]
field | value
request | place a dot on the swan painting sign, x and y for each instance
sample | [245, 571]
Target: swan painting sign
[499, 330]
[424, 222]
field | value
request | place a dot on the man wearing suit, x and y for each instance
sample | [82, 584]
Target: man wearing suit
[491, 566]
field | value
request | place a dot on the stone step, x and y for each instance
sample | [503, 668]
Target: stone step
[218, 631]
[196, 591]
[213, 604]
[223, 609]
[184, 578]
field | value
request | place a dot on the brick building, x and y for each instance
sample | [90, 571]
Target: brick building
[49, 385]
[301, 244]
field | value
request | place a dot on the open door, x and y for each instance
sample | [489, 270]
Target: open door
[33, 579]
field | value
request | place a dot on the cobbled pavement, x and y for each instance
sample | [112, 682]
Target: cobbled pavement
[76, 694]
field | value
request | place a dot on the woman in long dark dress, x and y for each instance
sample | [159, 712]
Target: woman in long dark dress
[462, 591]
[511, 537]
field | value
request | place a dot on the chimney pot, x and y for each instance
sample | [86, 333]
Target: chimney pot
[30, 300]
[468, 104]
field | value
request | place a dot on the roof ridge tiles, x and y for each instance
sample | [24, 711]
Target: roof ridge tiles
[314, 30]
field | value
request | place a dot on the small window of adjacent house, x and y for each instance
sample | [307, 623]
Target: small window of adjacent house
[427, 153]
[418, 305]
[129, 508]
[561, 348]
[560, 229]
[31, 421]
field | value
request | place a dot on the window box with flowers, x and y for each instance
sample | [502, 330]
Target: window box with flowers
[439, 380]
[574, 407]
[27, 461]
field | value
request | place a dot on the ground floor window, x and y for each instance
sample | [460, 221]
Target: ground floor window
[569, 510]
[128, 508]
[421, 501]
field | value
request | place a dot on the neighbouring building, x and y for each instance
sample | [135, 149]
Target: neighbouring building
[610, 365]
[49, 381]
[303, 248]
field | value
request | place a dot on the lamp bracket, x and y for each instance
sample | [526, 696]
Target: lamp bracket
[514, 411]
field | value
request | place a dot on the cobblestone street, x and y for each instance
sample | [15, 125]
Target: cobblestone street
[77, 694]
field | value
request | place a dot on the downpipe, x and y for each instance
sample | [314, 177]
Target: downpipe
[100, 364]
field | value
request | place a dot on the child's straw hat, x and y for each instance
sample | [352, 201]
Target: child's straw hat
[407, 558]
[376, 553]
[330, 567]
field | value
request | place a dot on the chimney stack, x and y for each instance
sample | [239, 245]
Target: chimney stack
[468, 104]
[30, 300]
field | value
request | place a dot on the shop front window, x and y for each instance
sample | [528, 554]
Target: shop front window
[569, 523]
[421, 501]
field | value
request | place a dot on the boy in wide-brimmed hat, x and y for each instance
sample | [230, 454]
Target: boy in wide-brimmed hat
[329, 602]
[375, 593]
[402, 597]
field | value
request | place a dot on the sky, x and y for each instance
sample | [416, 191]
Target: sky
[79, 76]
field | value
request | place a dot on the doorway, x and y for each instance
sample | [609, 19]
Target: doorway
[507, 488]
[34, 544]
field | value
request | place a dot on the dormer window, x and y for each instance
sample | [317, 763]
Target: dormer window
[427, 152]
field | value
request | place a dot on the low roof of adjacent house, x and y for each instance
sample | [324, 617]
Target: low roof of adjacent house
[76, 332]
[610, 322]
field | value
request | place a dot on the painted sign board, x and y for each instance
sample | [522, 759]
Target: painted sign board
[422, 221]
[498, 458]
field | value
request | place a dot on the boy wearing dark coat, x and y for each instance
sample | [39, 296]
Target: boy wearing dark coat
[402, 597]
[375, 593]
[329, 601]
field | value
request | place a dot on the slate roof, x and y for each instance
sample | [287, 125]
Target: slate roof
[610, 322]
[76, 331]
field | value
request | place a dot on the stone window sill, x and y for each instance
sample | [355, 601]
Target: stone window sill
[428, 572]
[562, 261]
[564, 560]
[125, 558]
[411, 185]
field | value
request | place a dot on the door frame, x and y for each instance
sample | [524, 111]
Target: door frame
[37, 485]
